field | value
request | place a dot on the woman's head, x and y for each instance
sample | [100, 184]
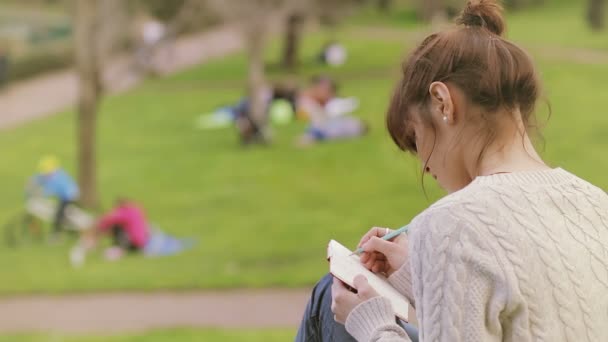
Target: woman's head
[463, 92]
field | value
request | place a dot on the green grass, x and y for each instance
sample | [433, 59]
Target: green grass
[262, 216]
[562, 25]
[174, 335]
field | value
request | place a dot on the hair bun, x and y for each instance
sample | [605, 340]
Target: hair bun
[483, 13]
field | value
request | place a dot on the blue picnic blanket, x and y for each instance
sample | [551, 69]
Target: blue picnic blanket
[163, 244]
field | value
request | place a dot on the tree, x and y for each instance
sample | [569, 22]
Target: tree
[179, 15]
[291, 41]
[256, 125]
[328, 12]
[112, 38]
[89, 86]
[163, 10]
[596, 14]
[430, 9]
[331, 12]
[385, 5]
[254, 17]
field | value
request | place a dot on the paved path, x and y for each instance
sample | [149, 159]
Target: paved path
[51, 93]
[130, 312]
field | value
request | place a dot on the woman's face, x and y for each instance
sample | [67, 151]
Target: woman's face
[441, 146]
[449, 142]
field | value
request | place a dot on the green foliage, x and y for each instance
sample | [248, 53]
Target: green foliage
[40, 61]
[42, 40]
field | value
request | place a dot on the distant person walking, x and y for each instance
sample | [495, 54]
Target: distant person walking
[151, 33]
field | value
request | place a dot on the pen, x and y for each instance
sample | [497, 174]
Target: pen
[388, 236]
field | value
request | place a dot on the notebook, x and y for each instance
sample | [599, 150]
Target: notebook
[345, 265]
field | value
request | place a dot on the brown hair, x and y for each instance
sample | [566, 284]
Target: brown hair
[492, 72]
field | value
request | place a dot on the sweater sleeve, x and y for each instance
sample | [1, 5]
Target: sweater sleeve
[374, 320]
[401, 280]
[457, 281]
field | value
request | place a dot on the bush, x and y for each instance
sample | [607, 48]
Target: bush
[39, 62]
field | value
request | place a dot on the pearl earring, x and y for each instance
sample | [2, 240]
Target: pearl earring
[445, 118]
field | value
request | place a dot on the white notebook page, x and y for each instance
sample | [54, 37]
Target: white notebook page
[346, 266]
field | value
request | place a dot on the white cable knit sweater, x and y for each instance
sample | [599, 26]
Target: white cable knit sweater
[511, 257]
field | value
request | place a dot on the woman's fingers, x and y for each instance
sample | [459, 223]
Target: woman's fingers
[375, 262]
[371, 261]
[364, 257]
[375, 231]
[380, 256]
[379, 267]
[378, 245]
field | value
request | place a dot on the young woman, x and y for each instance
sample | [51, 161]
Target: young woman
[517, 251]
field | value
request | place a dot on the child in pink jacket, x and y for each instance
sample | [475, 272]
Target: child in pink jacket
[128, 225]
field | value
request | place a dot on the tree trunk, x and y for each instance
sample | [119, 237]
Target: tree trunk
[256, 83]
[292, 40]
[112, 38]
[431, 9]
[595, 14]
[89, 87]
[385, 5]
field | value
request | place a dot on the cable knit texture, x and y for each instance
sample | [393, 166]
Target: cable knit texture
[511, 257]
[402, 282]
[375, 313]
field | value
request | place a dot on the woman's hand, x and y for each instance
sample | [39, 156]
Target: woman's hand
[382, 256]
[343, 300]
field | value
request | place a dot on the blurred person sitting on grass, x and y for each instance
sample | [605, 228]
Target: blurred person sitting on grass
[318, 104]
[328, 115]
[517, 250]
[52, 181]
[279, 103]
[127, 225]
[131, 232]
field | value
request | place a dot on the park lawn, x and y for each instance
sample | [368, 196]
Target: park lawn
[174, 335]
[262, 216]
[561, 24]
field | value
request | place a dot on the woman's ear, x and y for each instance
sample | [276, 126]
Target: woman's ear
[442, 102]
